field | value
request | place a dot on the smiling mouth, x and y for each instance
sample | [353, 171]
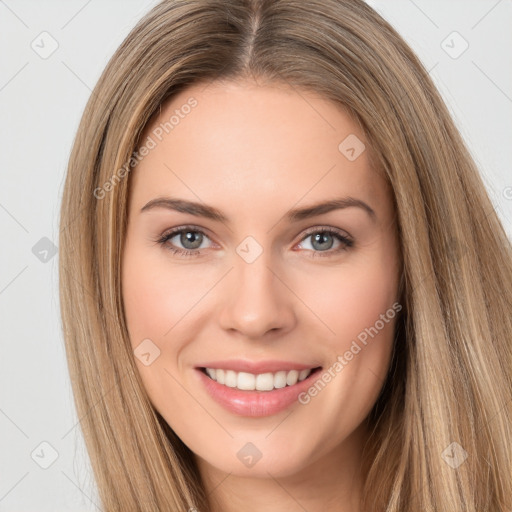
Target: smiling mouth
[268, 381]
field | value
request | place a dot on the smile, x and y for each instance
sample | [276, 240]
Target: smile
[261, 382]
[255, 394]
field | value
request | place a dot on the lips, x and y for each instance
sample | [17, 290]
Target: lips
[237, 388]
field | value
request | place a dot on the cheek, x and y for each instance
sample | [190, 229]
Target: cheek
[357, 305]
[158, 304]
[156, 300]
[146, 304]
[350, 299]
[163, 303]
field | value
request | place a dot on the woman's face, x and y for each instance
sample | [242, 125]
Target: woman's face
[262, 285]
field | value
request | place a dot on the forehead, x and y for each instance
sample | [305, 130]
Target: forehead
[245, 142]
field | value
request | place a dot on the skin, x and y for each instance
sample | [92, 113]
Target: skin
[254, 152]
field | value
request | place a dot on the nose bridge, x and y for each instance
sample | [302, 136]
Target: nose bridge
[257, 301]
[256, 276]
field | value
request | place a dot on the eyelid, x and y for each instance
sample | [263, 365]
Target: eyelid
[332, 229]
[184, 227]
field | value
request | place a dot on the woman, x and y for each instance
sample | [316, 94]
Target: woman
[339, 337]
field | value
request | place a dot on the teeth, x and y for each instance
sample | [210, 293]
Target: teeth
[303, 374]
[261, 382]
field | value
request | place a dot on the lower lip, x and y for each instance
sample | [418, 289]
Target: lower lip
[255, 403]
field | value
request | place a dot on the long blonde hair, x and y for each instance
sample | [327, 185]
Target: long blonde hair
[450, 380]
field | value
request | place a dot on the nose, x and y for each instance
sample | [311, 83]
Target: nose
[256, 300]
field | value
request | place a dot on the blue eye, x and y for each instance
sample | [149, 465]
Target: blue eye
[194, 237]
[188, 235]
[324, 237]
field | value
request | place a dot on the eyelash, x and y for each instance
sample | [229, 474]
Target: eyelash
[345, 241]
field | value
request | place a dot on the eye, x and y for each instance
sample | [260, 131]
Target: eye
[188, 236]
[323, 239]
[192, 238]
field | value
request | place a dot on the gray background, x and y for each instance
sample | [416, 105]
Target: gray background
[41, 100]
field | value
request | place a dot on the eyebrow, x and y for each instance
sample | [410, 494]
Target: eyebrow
[294, 215]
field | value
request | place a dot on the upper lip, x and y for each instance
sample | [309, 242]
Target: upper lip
[256, 367]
